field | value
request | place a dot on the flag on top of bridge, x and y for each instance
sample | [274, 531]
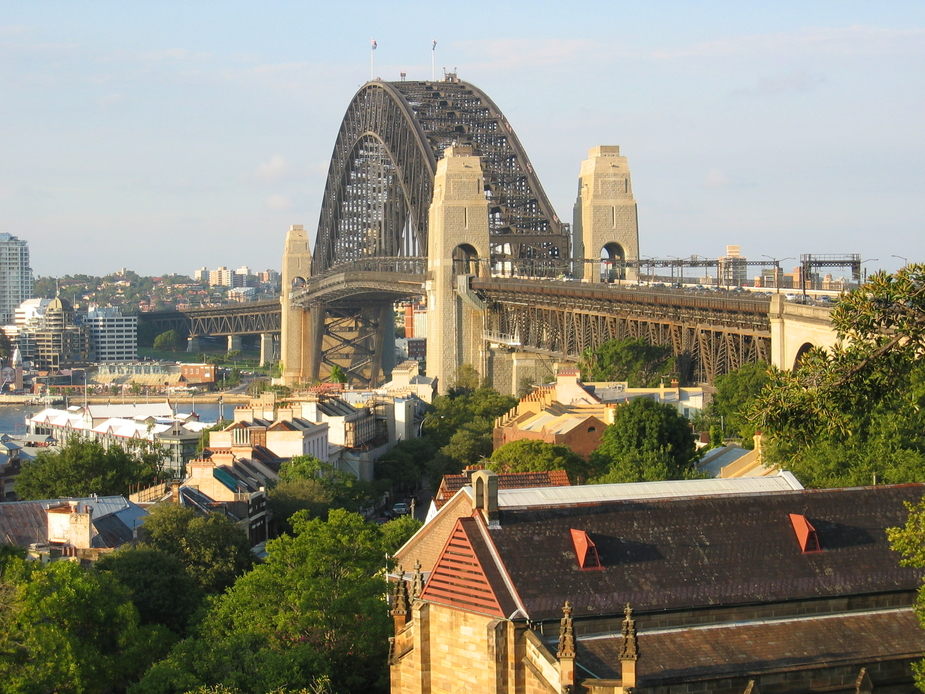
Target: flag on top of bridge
[435, 45]
[373, 44]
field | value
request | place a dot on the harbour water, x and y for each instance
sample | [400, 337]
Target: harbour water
[13, 417]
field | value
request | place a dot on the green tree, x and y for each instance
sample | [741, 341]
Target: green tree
[70, 629]
[397, 532]
[735, 392]
[337, 375]
[313, 609]
[167, 341]
[632, 360]
[648, 441]
[82, 467]
[466, 379]
[909, 542]
[538, 456]
[212, 548]
[159, 586]
[854, 414]
[404, 465]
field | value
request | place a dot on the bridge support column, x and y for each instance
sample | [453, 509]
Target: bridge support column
[193, 344]
[269, 349]
[604, 225]
[457, 239]
[235, 343]
[295, 349]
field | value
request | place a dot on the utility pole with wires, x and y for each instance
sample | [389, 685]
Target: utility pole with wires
[433, 62]
[372, 59]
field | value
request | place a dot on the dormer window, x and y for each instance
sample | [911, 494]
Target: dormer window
[807, 537]
[585, 551]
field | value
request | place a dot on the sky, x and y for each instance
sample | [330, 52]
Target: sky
[164, 136]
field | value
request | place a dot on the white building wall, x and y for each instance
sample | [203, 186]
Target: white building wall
[15, 276]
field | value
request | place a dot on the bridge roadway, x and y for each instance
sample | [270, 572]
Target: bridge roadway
[711, 332]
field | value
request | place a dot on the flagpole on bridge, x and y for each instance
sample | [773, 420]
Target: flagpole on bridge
[372, 59]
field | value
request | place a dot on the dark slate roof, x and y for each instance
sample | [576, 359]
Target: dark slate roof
[696, 552]
[746, 649]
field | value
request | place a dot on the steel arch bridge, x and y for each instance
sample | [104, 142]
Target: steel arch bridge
[381, 176]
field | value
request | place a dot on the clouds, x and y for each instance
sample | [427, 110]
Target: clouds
[273, 169]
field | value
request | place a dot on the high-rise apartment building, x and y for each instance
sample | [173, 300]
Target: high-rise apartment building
[113, 337]
[15, 276]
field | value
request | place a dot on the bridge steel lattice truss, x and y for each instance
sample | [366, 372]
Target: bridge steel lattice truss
[380, 181]
[710, 334]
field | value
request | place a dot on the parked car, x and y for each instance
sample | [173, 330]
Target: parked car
[400, 508]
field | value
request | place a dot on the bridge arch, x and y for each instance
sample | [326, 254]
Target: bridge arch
[801, 352]
[380, 179]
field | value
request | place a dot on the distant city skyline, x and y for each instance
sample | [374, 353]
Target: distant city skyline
[167, 136]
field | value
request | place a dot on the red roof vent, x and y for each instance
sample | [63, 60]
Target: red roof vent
[806, 534]
[585, 550]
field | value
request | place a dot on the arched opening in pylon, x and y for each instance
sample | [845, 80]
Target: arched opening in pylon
[613, 259]
[465, 260]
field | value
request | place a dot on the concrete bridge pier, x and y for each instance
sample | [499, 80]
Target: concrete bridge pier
[193, 344]
[235, 343]
[269, 349]
[294, 322]
[457, 241]
[604, 224]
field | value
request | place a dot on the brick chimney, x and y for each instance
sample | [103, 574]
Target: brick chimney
[485, 486]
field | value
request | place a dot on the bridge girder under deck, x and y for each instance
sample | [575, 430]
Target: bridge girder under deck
[709, 336]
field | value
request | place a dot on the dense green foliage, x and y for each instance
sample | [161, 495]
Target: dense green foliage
[314, 609]
[538, 456]
[213, 550]
[67, 629]
[308, 484]
[735, 392]
[398, 531]
[404, 465]
[169, 341]
[854, 414]
[909, 542]
[648, 441]
[81, 468]
[158, 584]
[635, 361]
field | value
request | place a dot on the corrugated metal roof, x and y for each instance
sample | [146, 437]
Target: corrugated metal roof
[590, 493]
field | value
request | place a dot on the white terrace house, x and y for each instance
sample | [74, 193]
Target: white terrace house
[177, 434]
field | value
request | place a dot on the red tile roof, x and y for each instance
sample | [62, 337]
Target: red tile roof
[506, 480]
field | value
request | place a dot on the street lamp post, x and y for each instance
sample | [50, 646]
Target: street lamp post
[777, 269]
[863, 270]
[902, 258]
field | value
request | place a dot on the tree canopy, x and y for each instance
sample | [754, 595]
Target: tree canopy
[539, 456]
[854, 414]
[648, 441]
[314, 609]
[158, 584]
[212, 548]
[633, 360]
[82, 467]
[167, 341]
[68, 629]
[735, 392]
